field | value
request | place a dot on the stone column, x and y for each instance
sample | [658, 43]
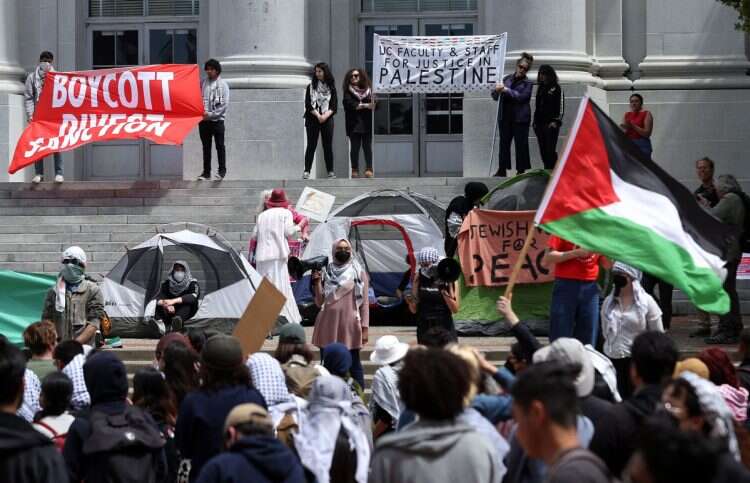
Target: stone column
[11, 87]
[607, 47]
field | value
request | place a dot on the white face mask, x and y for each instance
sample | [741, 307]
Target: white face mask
[179, 276]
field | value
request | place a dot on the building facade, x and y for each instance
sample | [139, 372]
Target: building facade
[683, 56]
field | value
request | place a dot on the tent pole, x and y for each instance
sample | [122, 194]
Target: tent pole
[517, 267]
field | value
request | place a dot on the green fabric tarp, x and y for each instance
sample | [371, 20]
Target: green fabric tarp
[21, 300]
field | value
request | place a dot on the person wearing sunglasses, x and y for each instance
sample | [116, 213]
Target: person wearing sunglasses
[514, 119]
[75, 304]
[359, 103]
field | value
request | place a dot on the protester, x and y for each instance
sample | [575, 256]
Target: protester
[638, 124]
[252, 453]
[545, 406]
[706, 193]
[321, 103]
[215, 102]
[331, 444]
[32, 91]
[296, 241]
[743, 353]
[385, 401]
[225, 383]
[296, 359]
[626, 312]
[272, 228]
[359, 104]
[344, 313]
[284, 408]
[32, 389]
[151, 393]
[69, 358]
[74, 304]
[653, 359]
[721, 371]
[114, 438]
[406, 276]
[180, 370]
[161, 346]
[458, 208]
[434, 384]
[730, 210]
[26, 456]
[434, 301]
[178, 300]
[54, 420]
[548, 114]
[698, 407]
[514, 94]
[41, 338]
[574, 308]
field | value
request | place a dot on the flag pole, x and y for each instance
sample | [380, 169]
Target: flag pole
[521, 258]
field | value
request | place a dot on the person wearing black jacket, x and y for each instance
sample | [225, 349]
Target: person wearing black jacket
[320, 106]
[548, 114]
[26, 455]
[178, 299]
[458, 208]
[359, 103]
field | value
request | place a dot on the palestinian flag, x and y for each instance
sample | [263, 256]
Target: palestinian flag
[607, 197]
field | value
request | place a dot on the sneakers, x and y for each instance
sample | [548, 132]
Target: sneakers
[157, 326]
[331, 175]
[218, 177]
[369, 173]
[204, 177]
[36, 179]
[59, 178]
[355, 174]
[306, 175]
[722, 338]
[701, 332]
[177, 324]
[114, 343]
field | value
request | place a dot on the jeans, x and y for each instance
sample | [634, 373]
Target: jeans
[509, 132]
[644, 144]
[39, 165]
[209, 130]
[365, 141]
[731, 322]
[357, 373]
[665, 297]
[547, 138]
[313, 128]
[574, 311]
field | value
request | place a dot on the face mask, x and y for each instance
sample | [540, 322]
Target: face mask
[342, 256]
[619, 281]
[179, 276]
[72, 273]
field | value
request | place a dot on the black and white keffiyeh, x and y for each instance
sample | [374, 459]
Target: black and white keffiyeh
[340, 278]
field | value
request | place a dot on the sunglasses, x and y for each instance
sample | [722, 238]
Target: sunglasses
[355, 75]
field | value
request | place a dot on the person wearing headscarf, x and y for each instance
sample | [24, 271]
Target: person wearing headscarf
[32, 91]
[433, 301]
[178, 300]
[341, 293]
[330, 443]
[284, 408]
[626, 312]
[385, 401]
[721, 371]
[75, 304]
[458, 208]
[272, 227]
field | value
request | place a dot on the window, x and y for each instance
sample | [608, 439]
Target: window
[172, 46]
[114, 48]
[418, 5]
[139, 8]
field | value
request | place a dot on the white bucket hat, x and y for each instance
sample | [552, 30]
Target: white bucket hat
[388, 350]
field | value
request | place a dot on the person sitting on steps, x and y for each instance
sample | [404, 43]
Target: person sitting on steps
[178, 299]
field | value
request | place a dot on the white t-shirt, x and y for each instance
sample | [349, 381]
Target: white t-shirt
[60, 424]
[621, 326]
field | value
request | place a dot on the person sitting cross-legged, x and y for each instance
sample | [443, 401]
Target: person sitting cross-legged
[178, 299]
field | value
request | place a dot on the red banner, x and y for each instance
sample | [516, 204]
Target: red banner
[490, 243]
[162, 103]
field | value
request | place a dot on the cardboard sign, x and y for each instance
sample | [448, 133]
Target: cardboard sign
[259, 317]
[315, 204]
[490, 242]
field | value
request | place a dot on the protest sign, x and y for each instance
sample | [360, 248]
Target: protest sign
[315, 204]
[161, 103]
[259, 317]
[437, 64]
[743, 271]
[490, 243]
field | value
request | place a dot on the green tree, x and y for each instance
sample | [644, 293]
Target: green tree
[743, 11]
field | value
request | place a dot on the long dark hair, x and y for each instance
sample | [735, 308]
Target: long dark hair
[364, 81]
[327, 75]
[285, 351]
[57, 390]
[150, 392]
[180, 371]
[550, 76]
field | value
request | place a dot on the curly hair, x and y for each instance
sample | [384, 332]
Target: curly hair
[40, 337]
[364, 81]
[434, 383]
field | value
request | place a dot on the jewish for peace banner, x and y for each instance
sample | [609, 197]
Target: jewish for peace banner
[490, 242]
[161, 103]
[437, 64]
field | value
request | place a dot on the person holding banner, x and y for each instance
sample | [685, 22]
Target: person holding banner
[548, 114]
[515, 115]
[32, 91]
[215, 101]
[359, 104]
[320, 107]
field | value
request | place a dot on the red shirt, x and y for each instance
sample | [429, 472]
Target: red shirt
[638, 119]
[586, 269]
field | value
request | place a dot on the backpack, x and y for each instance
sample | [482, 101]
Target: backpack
[58, 439]
[125, 445]
[299, 378]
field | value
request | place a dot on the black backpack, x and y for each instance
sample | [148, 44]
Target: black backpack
[124, 447]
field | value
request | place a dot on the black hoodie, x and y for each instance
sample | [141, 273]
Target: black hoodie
[26, 455]
[259, 459]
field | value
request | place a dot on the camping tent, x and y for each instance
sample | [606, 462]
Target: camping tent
[226, 279]
[384, 226]
[477, 315]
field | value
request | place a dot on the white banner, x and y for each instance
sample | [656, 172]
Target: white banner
[437, 64]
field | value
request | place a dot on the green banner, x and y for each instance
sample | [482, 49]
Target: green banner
[21, 300]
